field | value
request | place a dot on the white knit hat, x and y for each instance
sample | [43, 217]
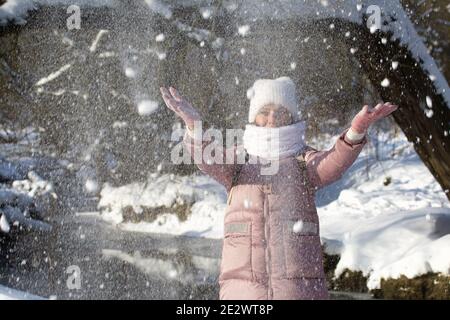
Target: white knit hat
[278, 91]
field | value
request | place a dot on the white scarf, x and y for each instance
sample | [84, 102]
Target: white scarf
[274, 143]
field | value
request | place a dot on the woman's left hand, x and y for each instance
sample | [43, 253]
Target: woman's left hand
[366, 117]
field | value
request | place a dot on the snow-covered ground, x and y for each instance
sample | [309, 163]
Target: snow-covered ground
[383, 230]
[206, 196]
[12, 294]
[388, 230]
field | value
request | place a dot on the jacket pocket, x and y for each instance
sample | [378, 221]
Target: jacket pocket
[236, 260]
[303, 252]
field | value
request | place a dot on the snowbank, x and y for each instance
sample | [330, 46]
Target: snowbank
[400, 243]
[388, 230]
[12, 294]
[206, 198]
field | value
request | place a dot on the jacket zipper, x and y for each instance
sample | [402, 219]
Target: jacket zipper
[267, 250]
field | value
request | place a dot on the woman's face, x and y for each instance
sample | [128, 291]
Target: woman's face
[273, 116]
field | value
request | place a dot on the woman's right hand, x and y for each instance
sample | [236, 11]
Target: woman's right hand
[180, 106]
[367, 116]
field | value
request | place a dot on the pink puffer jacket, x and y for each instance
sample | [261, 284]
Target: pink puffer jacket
[271, 247]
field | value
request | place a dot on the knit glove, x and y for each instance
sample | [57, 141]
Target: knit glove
[178, 104]
[366, 117]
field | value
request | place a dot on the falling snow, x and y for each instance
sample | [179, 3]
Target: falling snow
[147, 107]
[385, 83]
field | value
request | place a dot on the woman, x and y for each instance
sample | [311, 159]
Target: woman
[271, 247]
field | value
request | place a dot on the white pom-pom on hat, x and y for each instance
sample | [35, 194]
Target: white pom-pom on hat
[250, 93]
[277, 91]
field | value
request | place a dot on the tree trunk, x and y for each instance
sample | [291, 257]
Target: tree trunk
[428, 127]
